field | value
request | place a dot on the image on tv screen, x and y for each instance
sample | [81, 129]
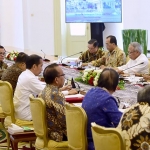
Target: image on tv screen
[90, 11]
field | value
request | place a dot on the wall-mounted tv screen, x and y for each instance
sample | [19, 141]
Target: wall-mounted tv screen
[92, 11]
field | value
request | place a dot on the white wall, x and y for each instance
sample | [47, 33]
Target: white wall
[39, 26]
[11, 23]
[135, 16]
[27, 25]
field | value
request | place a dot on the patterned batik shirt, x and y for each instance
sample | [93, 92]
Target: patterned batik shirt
[111, 59]
[56, 119]
[88, 57]
[11, 75]
[3, 66]
[135, 125]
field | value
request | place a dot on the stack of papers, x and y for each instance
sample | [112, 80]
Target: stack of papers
[14, 129]
[74, 96]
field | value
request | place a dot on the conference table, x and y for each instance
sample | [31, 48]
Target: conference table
[125, 97]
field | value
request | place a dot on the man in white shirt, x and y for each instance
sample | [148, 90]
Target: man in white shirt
[138, 62]
[28, 83]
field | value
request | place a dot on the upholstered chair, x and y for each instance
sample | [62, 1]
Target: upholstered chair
[38, 111]
[6, 100]
[76, 119]
[107, 138]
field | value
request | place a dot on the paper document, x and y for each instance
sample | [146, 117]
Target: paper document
[76, 95]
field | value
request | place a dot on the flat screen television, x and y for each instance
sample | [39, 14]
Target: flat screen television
[93, 11]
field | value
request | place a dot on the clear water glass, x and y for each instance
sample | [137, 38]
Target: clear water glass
[79, 64]
[89, 65]
[132, 76]
[59, 59]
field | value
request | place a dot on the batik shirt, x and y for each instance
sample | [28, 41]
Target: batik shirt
[135, 125]
[111, 59]
[11, 75]
[3, 66]
[56, 119]
[88, 57]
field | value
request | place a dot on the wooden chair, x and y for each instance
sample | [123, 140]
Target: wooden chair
[107, 138]
[76, 119]
[38, 111]
[6, 100]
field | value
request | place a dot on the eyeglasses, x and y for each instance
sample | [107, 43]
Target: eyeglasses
[91, 48]
[131, 52]
[61, 75]
[2, 53]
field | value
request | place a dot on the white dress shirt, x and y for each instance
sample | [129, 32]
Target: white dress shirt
[27, 84]
[141, 68]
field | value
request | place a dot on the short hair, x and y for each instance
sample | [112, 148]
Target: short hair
[21, 58]
[2, 47]
[144, 95]
[33, 59]
[108, 79]
[137, 46]
[112, 39]
[50, 73]
[94, 42]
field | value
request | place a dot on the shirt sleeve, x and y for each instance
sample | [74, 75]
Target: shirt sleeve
[100, 61]
[111, 110]
[121, 59]
[65, 92]
[36, 85]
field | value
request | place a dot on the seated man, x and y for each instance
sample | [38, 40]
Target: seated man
[28, 83]
[114, 57]
[93, 52]
[3, 65]
[55, 100]
[12, 73]
[137, 59]
[135, 122]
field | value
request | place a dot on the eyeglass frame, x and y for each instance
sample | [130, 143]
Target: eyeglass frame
[61, 75]
[131, 52]
[3, 53]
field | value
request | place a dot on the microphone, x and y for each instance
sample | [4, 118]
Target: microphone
[44, 56]
[69, 56]
[132, 67]
[73, 84]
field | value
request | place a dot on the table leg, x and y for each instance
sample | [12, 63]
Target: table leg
[12, 145]
[30, 144]
[15, 145]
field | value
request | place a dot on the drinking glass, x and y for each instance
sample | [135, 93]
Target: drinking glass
[79, 64]
[132, 76]
[89, 65]
[59, 59]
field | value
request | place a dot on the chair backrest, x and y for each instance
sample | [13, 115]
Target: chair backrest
[76, 119]
[107, 138]
[6, 99]
[38, 112]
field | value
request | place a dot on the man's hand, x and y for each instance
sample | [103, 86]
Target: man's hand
[84, 64]
[72, 92]
[66, 88]
[102, 67]
[146, 77]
